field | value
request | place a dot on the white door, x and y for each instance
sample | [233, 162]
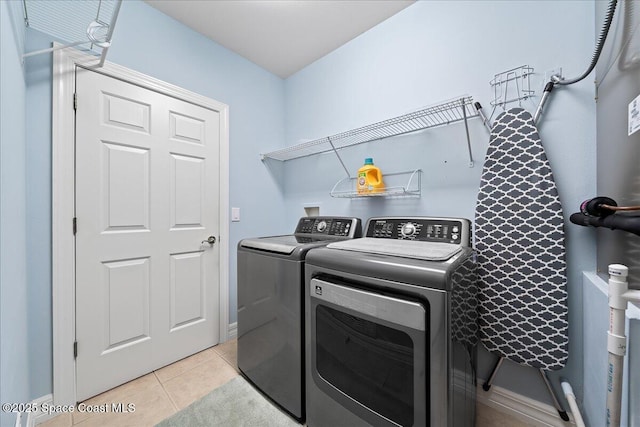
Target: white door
[147, 195]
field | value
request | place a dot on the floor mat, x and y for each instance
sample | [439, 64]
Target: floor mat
[236, 403]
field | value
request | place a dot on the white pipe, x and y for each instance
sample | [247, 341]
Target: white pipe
[632, 296]
[616, 340]
[615, 366]
[571, 398]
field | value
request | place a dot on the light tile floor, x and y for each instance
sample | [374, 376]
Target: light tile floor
[164, 392]
[490, 417]
[161, 393]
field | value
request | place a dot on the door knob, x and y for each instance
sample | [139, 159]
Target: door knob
[210, 240]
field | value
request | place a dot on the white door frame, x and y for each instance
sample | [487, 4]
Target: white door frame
[63, 204]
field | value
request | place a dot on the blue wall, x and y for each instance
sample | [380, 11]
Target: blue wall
[38, 210]
[434, 51]
[14, 350]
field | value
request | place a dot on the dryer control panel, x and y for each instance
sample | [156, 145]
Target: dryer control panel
[424, 229]
[329, 226]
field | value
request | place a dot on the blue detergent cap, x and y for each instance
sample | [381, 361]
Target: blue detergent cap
[368, 161]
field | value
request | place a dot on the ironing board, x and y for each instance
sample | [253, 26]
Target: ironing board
[523, 313]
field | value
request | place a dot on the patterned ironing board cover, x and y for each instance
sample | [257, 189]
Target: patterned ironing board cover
[520, 246]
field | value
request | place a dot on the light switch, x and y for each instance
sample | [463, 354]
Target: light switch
[235, 214]
[312, 210]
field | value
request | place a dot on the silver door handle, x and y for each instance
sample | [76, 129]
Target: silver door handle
[210, 240]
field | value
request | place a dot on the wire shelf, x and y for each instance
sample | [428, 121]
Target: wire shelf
[85, 23]
[444, 113]
[398, 184]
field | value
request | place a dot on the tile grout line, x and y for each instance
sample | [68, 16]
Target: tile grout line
[224, 355]
[187, 370]
[175, 406]
[219, 350]
[229, 363]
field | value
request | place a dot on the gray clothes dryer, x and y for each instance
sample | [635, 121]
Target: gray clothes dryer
[391, 326]
[270, 306]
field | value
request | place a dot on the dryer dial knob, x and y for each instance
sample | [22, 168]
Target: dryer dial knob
[322, 226]
[409, 229]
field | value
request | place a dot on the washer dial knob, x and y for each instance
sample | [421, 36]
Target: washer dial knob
[322, 225]
[408, 229]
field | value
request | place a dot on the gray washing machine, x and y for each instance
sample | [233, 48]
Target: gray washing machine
[270, 306]
[391, 326]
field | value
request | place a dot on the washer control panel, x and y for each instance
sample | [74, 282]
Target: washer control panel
[329, 226]
[424, 229]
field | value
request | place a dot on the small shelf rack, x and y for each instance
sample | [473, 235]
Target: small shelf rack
[398, 184]
[512, 86]
[443, 113]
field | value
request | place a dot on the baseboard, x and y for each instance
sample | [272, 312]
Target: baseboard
[233, 331]
[39, 416]
[521, 407]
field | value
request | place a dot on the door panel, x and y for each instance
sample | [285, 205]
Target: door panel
[126, 196]
[187, 129]
[126, 291]
[187, 197]
[187, 289]
[147, 195]
[126, 113]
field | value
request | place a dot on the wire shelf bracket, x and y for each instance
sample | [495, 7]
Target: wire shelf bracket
[67, 22]
[444, 113]
[512, 86]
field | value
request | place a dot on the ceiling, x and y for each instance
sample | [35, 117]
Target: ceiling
[282, 36]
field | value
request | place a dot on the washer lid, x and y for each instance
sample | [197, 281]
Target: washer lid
[281, 244]
[428, 251]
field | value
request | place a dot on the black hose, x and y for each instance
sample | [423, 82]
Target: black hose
[630, 223]
[596, 54]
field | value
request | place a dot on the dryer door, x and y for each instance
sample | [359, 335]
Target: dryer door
[368, 353]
